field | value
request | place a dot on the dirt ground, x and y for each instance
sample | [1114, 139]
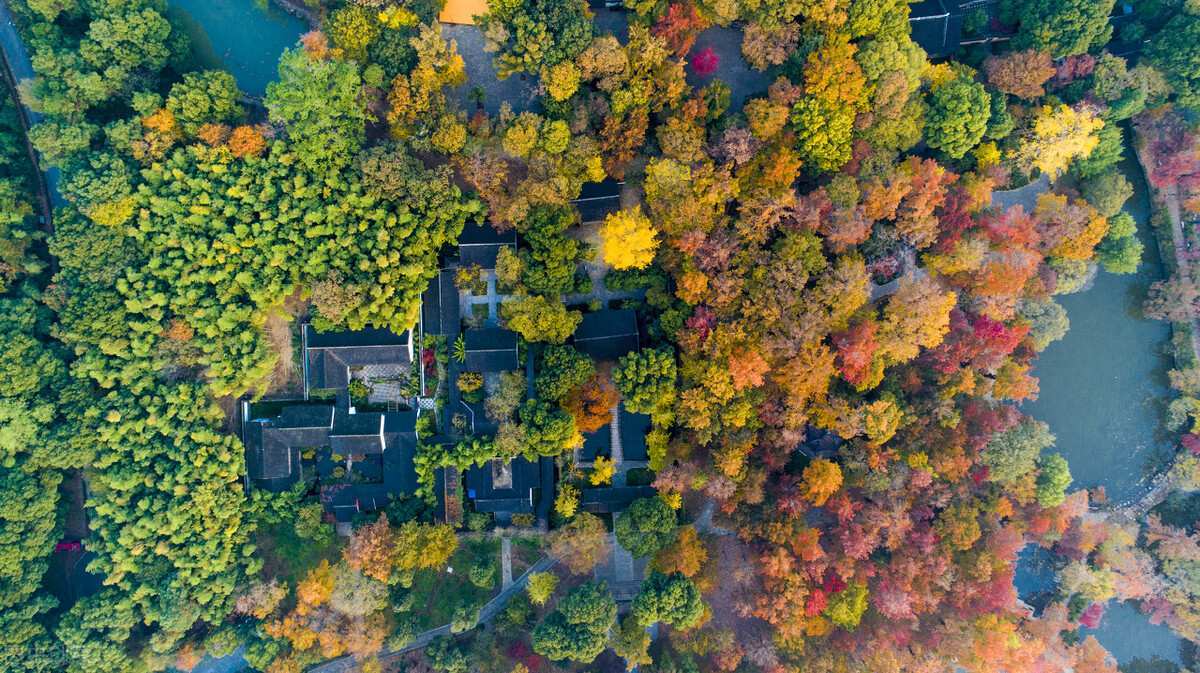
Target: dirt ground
[736, 573]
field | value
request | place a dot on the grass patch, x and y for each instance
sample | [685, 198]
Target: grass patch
[639, 476]
[480, 311]
[533, 542]
[289, 557]
[437, 594]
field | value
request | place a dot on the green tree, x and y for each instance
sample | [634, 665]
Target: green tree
[483, 573]
[1107, 193]
[309, 524]
[1061, 27]
[672, 599]
[540, 318]
[443, 654]
[552, 258]
[320, 103]
[537, 36]
[1014, 452]
[95, 630]
[631, 642]
[578, 628]
[211, 96]
[549, 429]
[1106, 154]
[645, 527]
[1053, 481]
[824, 133]
[646, 380]
[958, 116]
[1120, 251]
[563, 369]
[1047, 321]
[1173, 51]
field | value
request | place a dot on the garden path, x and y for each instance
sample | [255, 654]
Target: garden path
[506, 578]
[704, 522]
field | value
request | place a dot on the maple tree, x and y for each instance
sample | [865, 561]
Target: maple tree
[1020, 73]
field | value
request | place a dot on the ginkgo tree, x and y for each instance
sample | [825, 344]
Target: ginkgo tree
[629, 240]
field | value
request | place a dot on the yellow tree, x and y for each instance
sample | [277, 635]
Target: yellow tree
[1060, 136]
[629, 240]
[541, 587]
[567, 501]
[602, 471]
[822, 479]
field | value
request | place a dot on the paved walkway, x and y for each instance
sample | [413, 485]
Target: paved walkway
[732, 68]
[704, 522]
[623, 573]
[506, 578]
[1026, 197]
[618, 449]
[520, 95]
[1180, 245]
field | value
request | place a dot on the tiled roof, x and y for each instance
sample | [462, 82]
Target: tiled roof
[607, 335]
[490, 349]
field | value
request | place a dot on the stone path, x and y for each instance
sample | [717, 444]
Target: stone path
[505, 563]
[618, 449]
[1026, 197]
[623, 573]
[1180, 245]
[704, 522]
[20, 68]
[492, 299]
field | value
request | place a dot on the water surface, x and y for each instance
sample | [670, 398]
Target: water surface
[1103, 386]
[238, 36]
[1103, 393]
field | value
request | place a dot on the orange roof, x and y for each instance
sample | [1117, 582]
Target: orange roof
[462, 11]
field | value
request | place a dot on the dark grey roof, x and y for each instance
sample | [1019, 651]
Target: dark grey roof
[331, 355]
[613, 498]
[480, 243]
[607, 335]
[936, 25]
[305, 416]
[273, 446]
[356, 433]
[597, 200]
[820, 443]
[526, 476]
[439, 306]
[490, 349]
[269, 456]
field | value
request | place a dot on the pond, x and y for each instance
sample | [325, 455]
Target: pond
[238, 36]
[1104, 385]
[1103, 394]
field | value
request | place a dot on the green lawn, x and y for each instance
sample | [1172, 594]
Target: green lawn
[288, 557]
[438, 594]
